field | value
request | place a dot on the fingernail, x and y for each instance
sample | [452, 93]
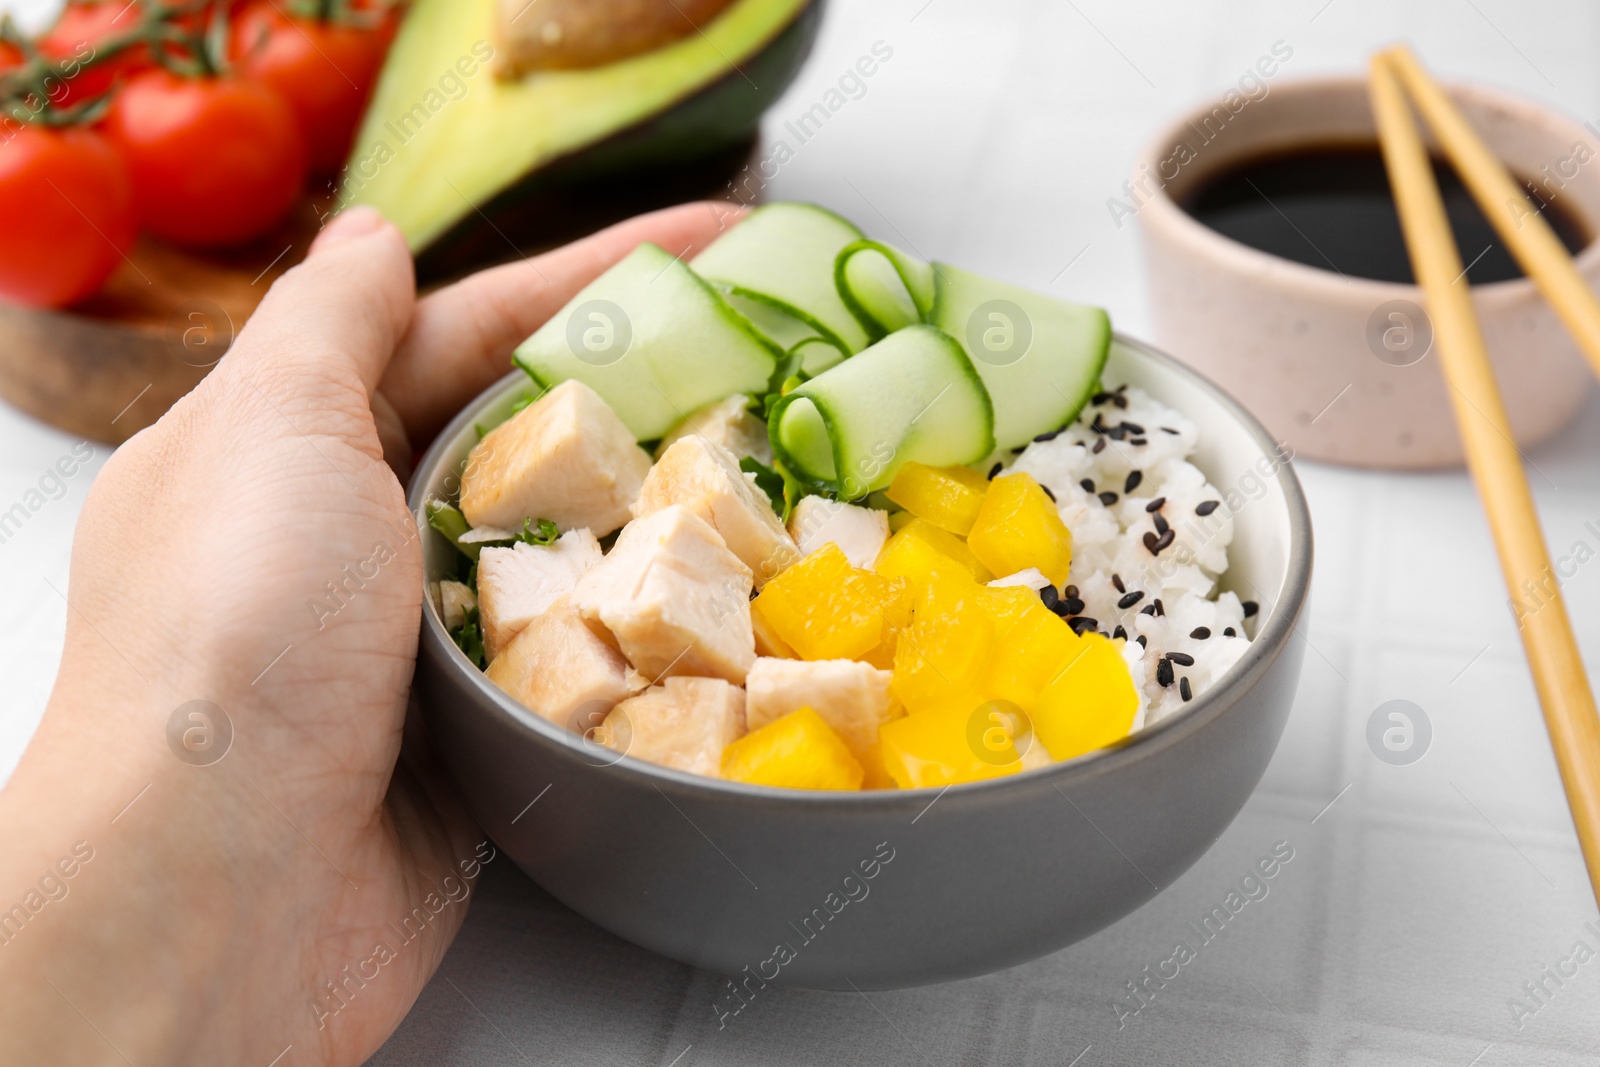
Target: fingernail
[352, 222]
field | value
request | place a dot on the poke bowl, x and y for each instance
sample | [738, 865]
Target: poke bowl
[690, 800]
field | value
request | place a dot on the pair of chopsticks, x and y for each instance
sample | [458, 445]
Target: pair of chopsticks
[1492, 455]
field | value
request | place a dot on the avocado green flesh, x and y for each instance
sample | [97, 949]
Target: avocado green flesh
[437, 141]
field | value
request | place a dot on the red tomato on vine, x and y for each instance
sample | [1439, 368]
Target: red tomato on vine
[216, 160]
[74, 217]
[323, 59]
[80, 34]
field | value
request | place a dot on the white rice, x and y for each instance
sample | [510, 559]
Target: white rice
[1109, 541]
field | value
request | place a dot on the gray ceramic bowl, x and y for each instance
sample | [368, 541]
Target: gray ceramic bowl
[894, 888]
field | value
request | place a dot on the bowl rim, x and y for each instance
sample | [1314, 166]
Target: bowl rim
[1282, 624]
[1250, 260]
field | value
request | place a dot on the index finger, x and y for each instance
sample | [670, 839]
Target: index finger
[461, 337]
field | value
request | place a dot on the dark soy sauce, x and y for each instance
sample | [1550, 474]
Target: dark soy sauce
[1329, 206]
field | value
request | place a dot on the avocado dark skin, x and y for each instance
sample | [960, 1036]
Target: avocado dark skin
[692, 150]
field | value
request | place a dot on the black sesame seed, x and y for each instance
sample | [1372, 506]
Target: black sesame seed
[1184, 690]
[1083, 624]
[1099, 446]
[1105, 635]
[1060, 608]
[1131, 599]
[1150, 540]
[1120, 400]
[1108, 498]
[1160, 610]
[1182, 659]
[1071, 606]
[1148, 609]
[1250, 608]
[1138, 441]
[1087, 485]
[1156, 505]
[1120, 632]
[1160, 523]
[1100, 398]
[1134, 478]
[1143, 641]
[995, 470]
[1169, 429]
[1206, 507]
[1070, 592]
[1116, 580]
[1133, 428]
[1164, 541]
[1164, 673]
[1230, 632]
[1048, 435]
[1047, 492]
[1049, 595]
[1200, 633]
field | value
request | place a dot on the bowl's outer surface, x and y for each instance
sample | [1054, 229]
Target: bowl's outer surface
[962, 882]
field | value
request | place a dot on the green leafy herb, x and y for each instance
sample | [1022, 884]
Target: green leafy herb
[452, 524]
[544, 532]
[469, 638]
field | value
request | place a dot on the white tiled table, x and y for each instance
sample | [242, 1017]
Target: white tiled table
[1416, 905]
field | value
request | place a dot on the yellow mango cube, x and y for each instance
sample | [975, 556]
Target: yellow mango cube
[961, 743]
[823, 608]
[1029, 655]
[947, 497]
[1089, 703]
[941, 659]
[798, 751]
[1018, 527]
[919, 550]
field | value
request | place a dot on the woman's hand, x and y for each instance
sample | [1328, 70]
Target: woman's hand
[214, 850]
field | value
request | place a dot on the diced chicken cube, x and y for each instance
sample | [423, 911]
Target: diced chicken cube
[455, 600]
[684, 723]
[560, 669]
[566, 457]
[859, 532]
[728, 423]
[705, 477]
[852, 697]
[516, 584]
[672, 598]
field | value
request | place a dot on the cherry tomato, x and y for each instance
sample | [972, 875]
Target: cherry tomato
[71, 215]
[325, 71]
[215, 161]
[79, 34]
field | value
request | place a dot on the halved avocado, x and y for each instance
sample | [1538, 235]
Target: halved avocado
[473, 168]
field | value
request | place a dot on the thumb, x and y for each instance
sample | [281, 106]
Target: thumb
[336, 318]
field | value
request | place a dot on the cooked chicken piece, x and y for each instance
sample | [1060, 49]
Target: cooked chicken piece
[516, 584]
[728, 423]
[851, 697]
[558, 668]
[705, 477]
[566, 457]
[684, 723]
[673, 598]
[859, 532]
[455, 600]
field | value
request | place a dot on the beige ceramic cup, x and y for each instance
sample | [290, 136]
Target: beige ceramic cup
[1343, 368]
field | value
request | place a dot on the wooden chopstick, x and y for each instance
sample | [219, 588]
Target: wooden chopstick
[1506, 205]
[1492, 456]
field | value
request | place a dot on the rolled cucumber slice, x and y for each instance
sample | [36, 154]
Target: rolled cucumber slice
[1040, 358]
[912, 396]
[654, 340]
[782, 255]
[884, 288]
